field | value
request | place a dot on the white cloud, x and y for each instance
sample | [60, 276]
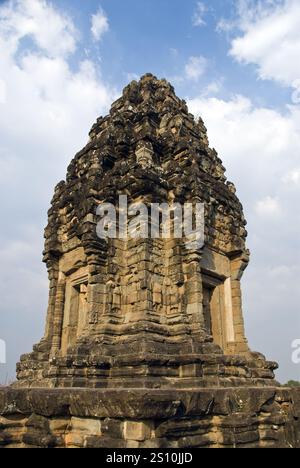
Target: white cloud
[174, 52]
[213, 88]
[55, 102]
[131, 76]
[281, 271]
[245, 127]
[225, 25]
[199, 14]
[2, 91]
[296, 92]
[292, 177]
[100, 24]
[53, 32]
[195, 68]
[270, 38]
[268, 206]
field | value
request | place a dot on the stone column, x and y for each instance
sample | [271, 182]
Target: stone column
[194, 291]
[144, 306]
[53, 279]
[58, 314]
[238, 266]
[173, 286]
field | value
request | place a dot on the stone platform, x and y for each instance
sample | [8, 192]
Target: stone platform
[202, 418]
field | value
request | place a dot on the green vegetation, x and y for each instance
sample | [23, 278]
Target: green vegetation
[293, 383]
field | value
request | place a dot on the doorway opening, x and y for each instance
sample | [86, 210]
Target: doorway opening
[75, 314]
[213, 308]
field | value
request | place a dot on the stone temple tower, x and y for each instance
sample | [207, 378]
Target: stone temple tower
[144, 335]
[144, 311]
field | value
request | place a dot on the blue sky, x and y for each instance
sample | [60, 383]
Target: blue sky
[63, 62]
[160, 35]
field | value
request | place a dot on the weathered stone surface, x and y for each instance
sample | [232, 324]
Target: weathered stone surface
[212, 418]
[145, 343]
[145, 308]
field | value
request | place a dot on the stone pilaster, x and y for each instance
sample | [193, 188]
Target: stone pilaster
[53, 279]
[58, 315]
[194, 291]
[238, 266]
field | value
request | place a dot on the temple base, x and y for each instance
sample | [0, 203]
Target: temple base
[97, 418]
[145, 361]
